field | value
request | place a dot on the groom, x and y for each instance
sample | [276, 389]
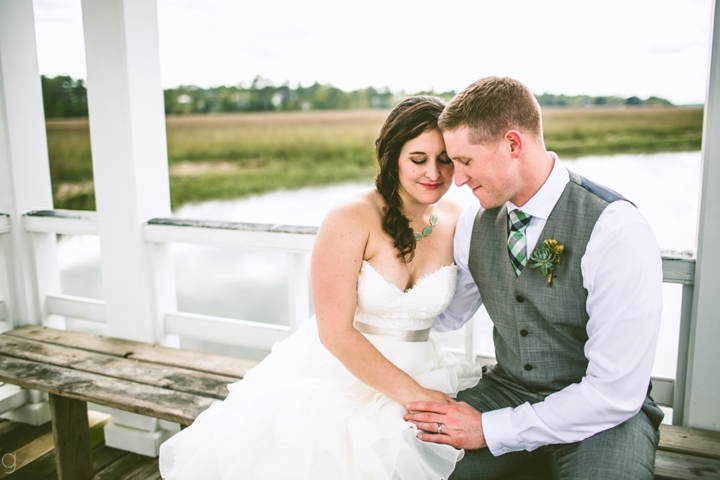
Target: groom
[575, 322]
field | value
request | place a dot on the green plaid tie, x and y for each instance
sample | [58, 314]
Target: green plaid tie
[517, 243]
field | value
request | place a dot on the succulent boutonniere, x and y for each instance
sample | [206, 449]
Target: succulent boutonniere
[546, 258]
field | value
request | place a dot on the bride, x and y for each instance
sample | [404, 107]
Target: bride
[328, 402]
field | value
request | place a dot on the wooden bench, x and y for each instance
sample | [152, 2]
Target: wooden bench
[176, 385]
[687, 453]
[76, 368]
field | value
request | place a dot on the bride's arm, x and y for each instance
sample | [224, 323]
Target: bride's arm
[336, 261]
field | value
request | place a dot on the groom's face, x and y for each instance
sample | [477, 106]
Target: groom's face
[487, 168]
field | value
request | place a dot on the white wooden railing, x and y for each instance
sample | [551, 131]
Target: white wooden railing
[4, 247]
[296, 242]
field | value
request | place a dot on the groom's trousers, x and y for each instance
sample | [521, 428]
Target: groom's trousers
[624, 452]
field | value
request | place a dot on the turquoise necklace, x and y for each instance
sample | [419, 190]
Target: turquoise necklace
[429, 229]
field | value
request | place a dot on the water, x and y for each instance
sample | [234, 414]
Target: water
[251, 285]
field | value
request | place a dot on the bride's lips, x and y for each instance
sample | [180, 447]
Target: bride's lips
[431, 186]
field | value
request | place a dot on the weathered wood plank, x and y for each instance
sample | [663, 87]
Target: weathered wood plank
[44, 467]
[173, 378]
[131, 466]
[154, 476]
[27, 455]
[5, 425]
[204, 362]
[671, 466]
[41, 469]
[36, 458]
[104, 456]
[14, 435]
[179, 407]
[71, 436]
[691, 441]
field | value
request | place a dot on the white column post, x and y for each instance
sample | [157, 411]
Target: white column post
[681, 370]
[6, 322]
[24, 168]
[127, 134]
[30, 261]
[703, 379]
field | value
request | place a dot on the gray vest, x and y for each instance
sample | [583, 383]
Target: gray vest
[539, 331]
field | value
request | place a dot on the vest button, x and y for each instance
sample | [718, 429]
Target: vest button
[519, 298]
[528, 367]
[523, 332]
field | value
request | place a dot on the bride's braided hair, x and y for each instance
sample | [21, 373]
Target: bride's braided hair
[408, 120]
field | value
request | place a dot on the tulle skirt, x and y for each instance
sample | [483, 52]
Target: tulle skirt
[300, 414]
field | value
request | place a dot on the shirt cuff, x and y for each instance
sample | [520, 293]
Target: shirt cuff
[498, 431]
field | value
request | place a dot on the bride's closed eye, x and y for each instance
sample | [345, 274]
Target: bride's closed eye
[443, 159]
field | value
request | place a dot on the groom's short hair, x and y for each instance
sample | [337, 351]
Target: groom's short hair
[492, 106]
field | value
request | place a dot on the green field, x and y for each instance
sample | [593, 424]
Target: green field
[233, 155]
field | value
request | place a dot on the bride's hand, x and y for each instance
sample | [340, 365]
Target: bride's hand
[433, 396]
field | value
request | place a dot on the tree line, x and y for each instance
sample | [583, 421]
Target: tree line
[582, 101]
[262, 96]
[64, 96]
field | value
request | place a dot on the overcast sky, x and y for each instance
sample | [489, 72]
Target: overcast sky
[613, 47]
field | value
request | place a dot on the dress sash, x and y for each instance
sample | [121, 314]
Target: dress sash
[402, 335]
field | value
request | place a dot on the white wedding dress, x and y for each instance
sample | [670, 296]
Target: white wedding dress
[301, 415]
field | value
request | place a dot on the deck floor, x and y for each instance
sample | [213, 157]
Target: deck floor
[27, 454]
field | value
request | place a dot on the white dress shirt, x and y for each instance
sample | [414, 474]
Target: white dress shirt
[622, 273]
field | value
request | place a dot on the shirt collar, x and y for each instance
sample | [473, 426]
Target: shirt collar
[543, 202]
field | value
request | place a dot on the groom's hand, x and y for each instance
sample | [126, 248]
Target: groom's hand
[461, 425]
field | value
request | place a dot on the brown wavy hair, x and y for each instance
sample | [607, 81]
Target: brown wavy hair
[408, 120]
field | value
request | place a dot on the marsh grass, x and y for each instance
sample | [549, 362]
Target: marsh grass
[240, 154]
[572, 133]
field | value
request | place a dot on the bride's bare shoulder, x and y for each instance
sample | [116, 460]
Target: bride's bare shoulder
[360, 211]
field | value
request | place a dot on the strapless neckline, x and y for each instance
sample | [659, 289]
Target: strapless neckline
[419, 281]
